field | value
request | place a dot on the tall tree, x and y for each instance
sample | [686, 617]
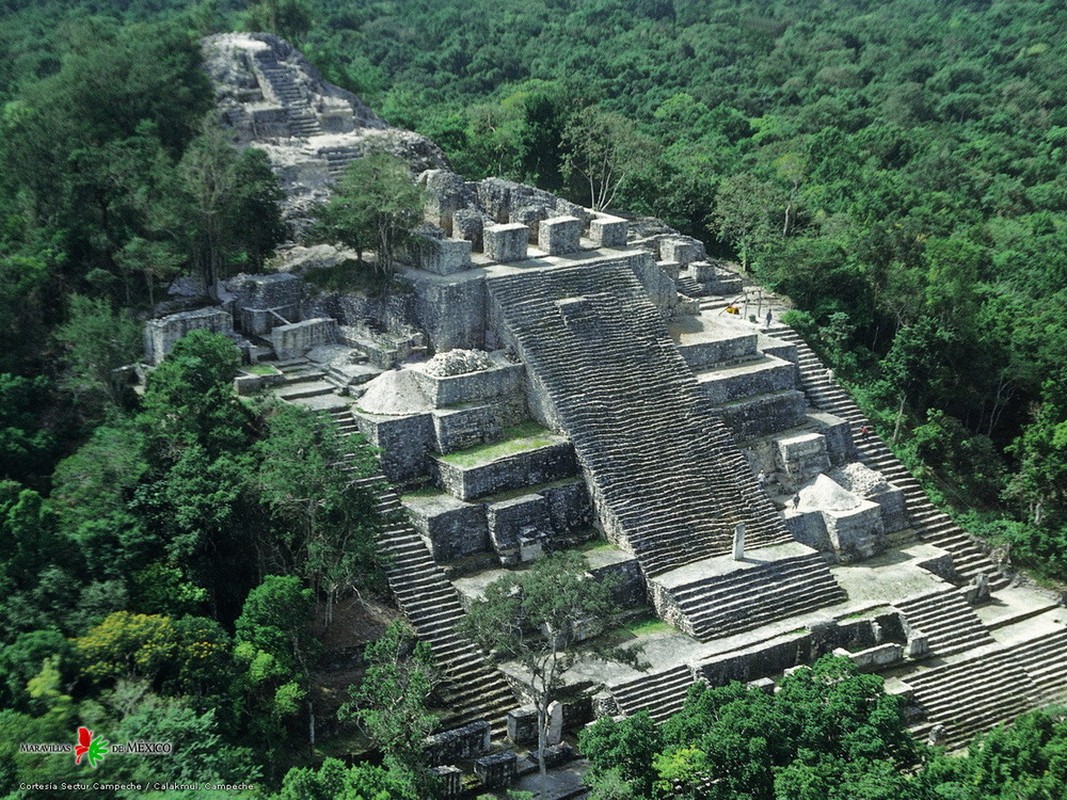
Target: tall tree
[375, 204]
[312, 480]
[605, 150]
[390, 703]
[536, 618]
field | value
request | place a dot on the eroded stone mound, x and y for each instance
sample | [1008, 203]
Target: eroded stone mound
[457, 362]
[272, 98]
[395, 393]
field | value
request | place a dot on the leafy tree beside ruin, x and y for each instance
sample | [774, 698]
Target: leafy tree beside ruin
[536, 618]
[375, 206]
[312, 480]
[390, 703]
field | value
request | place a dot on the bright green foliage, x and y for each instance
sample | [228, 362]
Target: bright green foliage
[621, 753]
[390, 702]
[190, 401]
[375, 205]
[1023, 761]
[275, 649]
[200, 751]
[327, 520]
[336, 781]
[231, 203]
[23, 659]
[828, 730]
[96, 341]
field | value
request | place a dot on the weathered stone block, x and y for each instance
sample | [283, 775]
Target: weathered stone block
[623, 571]
[442, 256]
[452, 314]
[460, 428]
[560, 235]
[531, 217]
[496, 771]
[804, 456]
[446, 193]
[556, 755]
[762, 375]
[608, 231]
[458, 744]
[763, 414]
[522, 725]
[271, 122]
[161, 334]
[265, 301]
[518, 528]
[874, 658]
[469, 224]
[472, 387]
[808, 528]
[449, 781]
[405, 442]
[291, 341]
[540, 465]
[451, 528]
[682, 249]
[504, 243]
[569, 506]
[857, 533]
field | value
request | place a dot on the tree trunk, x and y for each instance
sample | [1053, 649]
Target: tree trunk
[900, 420]
[542, 733]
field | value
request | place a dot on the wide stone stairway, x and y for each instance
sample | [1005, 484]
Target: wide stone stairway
[667, 480]
[472, 689]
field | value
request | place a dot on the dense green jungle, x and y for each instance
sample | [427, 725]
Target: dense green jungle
[898, 169]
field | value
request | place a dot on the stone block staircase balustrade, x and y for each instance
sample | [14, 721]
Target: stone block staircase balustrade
[931, 524]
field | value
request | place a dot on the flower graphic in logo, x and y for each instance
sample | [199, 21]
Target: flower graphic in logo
[94, 748]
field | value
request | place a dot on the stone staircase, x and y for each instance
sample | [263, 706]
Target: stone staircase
[1045, 658]
[661, 694]
[949, 623]
[746, 599]
[931, 524]
[303, 380]
[970, 697]
[338, 159]
[295, 101]
[664, 472]
[472, 689]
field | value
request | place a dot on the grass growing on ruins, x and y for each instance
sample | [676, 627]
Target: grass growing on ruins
[260, 369]
[350, 276]
[597, 544]
[647, 627]
[518, 439]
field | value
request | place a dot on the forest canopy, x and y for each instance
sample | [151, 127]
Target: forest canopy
[898, 169]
